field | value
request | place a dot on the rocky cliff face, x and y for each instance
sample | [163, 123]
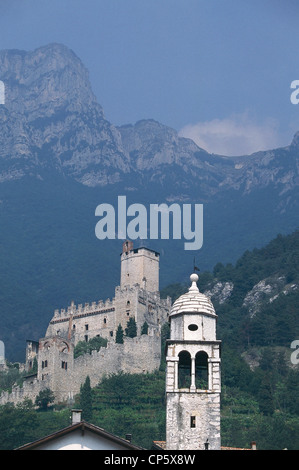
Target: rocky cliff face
[51, 119]
[263, 293]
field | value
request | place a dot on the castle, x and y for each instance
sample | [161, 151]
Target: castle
[193, 358]
[137, 297]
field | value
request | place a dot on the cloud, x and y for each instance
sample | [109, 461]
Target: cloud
[233, 136]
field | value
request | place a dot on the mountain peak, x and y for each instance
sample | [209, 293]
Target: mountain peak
[50, 76]
[51, 117]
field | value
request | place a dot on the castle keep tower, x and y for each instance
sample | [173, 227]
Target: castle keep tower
[193, 374]
[139, 266]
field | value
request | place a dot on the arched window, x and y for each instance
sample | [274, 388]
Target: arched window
[184, 379]
[201, 370]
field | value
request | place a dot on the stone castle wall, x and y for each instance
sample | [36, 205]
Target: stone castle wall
[137, 355]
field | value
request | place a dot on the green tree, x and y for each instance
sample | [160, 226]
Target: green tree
[267, 360]
[144, 329]
[119, 335]
[17, 425]
[292, 386]
[10, 377]
[131, 330]
[94, 344]
[265, 397]
[44, 398]
[86, 400]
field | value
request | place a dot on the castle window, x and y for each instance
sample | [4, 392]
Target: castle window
[184, 379]
[111, 333]
[193, 327]
[192, 421]
[64, 365]
[105, 321]
[86, 338]
[201, 370]
[74, 327]
[86, 327]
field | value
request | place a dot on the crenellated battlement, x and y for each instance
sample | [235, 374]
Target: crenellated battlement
[80, 311]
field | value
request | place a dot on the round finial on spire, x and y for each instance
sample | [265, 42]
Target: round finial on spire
[193, 279]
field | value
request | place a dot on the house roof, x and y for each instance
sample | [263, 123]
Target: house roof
[81, 426]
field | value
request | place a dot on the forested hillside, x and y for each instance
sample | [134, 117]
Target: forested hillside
[257, 299]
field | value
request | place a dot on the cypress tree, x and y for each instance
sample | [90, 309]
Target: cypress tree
[86, 400]
[131, 330]
[119, 335]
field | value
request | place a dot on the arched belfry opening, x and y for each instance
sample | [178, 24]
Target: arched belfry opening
[184, 370]
[201, 371]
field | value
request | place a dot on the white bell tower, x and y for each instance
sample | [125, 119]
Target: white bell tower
[193, 379]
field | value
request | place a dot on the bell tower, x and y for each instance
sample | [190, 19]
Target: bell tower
[193, 379]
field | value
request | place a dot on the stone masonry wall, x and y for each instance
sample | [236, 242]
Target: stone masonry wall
[137, 355]
[204, 407]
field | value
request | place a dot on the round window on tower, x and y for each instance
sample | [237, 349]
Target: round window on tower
[192, 327]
